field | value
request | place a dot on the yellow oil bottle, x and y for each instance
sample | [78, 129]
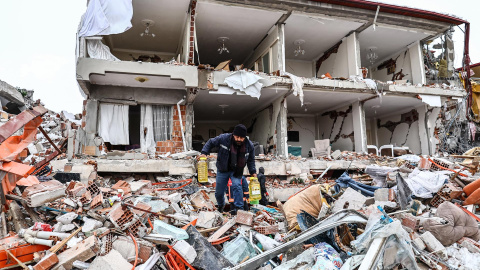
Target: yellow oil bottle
[254, 189]
[202, 170]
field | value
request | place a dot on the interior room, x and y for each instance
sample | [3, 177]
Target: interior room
[387, 52]
[216, 113]
[308, 38]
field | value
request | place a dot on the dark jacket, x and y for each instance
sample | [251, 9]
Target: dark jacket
[223, 142]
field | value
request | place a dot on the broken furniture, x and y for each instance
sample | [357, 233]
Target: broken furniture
[322, 148]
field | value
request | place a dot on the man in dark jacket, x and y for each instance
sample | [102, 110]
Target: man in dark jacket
[263, 189]
[235, 152]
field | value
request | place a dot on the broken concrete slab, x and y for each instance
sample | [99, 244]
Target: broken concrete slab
[67, 218]
[44, 192]
[112, 261]
[47, 262]
[122, 155]
[82, 251]
[185, 250]
[206, 219]
[433, 245]
[354, 199]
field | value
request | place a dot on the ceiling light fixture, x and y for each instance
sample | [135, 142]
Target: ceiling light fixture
[372, 55]
[223, 48]
[147, 23]
[299, 50]
[223, 106]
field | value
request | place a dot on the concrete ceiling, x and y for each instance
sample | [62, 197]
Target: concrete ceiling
[389, 105]
[388, 40]
[169, 17]
[244, 27]
[320, 34]
[207, 103]
[321, 101]
[122, 79]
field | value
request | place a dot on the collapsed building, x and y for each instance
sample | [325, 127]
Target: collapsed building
[354, 107]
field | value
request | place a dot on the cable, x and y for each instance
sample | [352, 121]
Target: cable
[136, 250]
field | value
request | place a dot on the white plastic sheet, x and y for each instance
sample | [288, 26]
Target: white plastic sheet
[106, 17]
[297, 85]
[113, 124]
[96, 49]
[424, 183]
[147, 143]
[246, 82]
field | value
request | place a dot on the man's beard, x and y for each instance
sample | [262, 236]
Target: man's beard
[238, 143]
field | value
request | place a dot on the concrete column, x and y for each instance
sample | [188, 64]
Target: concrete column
[359, 127]
[281, 47]
[423, 130]
[189, 126]
[416, 62]
[282, 147]
[353, 54]
[70, 143]
[91, 116]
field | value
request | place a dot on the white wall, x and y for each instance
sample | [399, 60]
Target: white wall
[403, 62]
[299, 68]
[337, 63]
[306, 128]
[403, 135]
[328, 128]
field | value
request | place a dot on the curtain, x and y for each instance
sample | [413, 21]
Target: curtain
[147, 142]
[113, 124]
[96, 49]
[162, 122]
[106, 17]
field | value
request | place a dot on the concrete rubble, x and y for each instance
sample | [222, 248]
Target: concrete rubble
[104, 220]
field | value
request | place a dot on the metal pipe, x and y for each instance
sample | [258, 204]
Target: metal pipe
[181, 123]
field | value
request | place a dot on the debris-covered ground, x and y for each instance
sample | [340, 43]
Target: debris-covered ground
[407, 212]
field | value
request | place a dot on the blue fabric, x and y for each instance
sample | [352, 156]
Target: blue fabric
[222, 185]
[245, 187]
[344, 181]
[223, 142]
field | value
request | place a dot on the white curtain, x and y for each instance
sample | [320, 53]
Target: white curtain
[98, 50]
[162, 122]
[106, 17]
[147, 142]
[113, 124]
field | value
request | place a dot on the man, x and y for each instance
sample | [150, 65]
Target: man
[263, 189]
[234, 152]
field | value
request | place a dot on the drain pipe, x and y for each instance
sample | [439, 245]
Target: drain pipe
[41, 237]
[181, 123]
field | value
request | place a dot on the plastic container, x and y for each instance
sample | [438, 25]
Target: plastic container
[202, 170]
[254, 190]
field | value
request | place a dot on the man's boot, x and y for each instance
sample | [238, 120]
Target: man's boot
[246, 206]
[221, 208]
[233, 211]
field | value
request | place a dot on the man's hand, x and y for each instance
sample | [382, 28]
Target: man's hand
[200, 156]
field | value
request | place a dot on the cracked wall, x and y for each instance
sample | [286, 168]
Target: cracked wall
[337, 125]
[400, 130]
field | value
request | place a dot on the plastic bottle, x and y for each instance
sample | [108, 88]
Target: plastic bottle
[254, 189]
[202, 170]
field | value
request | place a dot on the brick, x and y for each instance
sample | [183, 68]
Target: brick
[47, 262]
[44, 192]
[408, 220]
[470, 244]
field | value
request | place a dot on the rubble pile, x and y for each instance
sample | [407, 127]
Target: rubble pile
[407, 212]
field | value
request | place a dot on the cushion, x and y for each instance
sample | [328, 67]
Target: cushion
[309, 200]
[459, 224]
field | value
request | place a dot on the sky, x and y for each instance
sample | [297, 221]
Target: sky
[37, 44]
